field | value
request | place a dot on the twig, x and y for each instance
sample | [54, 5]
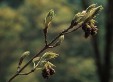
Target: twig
[16, 74]
[27, 72]
[45, 34]
[73, 27]
[42, 50]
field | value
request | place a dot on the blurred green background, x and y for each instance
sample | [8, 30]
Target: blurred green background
[80, 60]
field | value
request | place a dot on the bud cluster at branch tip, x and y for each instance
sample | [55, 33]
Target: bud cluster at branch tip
[87, 18]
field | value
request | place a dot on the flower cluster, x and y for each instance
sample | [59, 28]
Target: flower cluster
[86, 17]
[48, 70]
[44, 64]
[90, 28]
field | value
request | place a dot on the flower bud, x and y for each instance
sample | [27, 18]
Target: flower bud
[75, 19]
[95, 11]
[26, 53]
[90, 7]
[49, 17]
[60, 40]
[79, 17]
[98, 9]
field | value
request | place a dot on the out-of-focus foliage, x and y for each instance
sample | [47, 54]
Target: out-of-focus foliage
[21, 24]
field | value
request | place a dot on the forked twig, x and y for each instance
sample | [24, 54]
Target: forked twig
[83, 19]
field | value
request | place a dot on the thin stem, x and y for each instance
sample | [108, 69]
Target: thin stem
[27, 72]
[15, 75]
[45, 30]
[61, 33]
[32, 69]
[76, 28]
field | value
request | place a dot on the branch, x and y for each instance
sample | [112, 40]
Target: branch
[73, 27]
[16, 74]
[43, 49]
[109, 41]
[27, 72]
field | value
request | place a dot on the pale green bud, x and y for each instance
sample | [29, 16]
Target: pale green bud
[79, 16]
[36, 59]
[49, 17]
[60, 40]
[95, 11]
[90, 7]
[22, 58]
[26, 53]
[76, 17]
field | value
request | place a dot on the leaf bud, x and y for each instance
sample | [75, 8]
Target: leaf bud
[60, 40]
[90, 7]
[95, 11]
[49, 17]
[26, 53]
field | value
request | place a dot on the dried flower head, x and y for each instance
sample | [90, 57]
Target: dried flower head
[90, 28]
[48, 70]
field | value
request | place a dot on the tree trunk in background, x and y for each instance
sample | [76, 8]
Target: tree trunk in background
[98, 63]
[104, 69]
[109, 41]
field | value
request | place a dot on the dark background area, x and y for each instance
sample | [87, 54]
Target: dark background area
[80, 60]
